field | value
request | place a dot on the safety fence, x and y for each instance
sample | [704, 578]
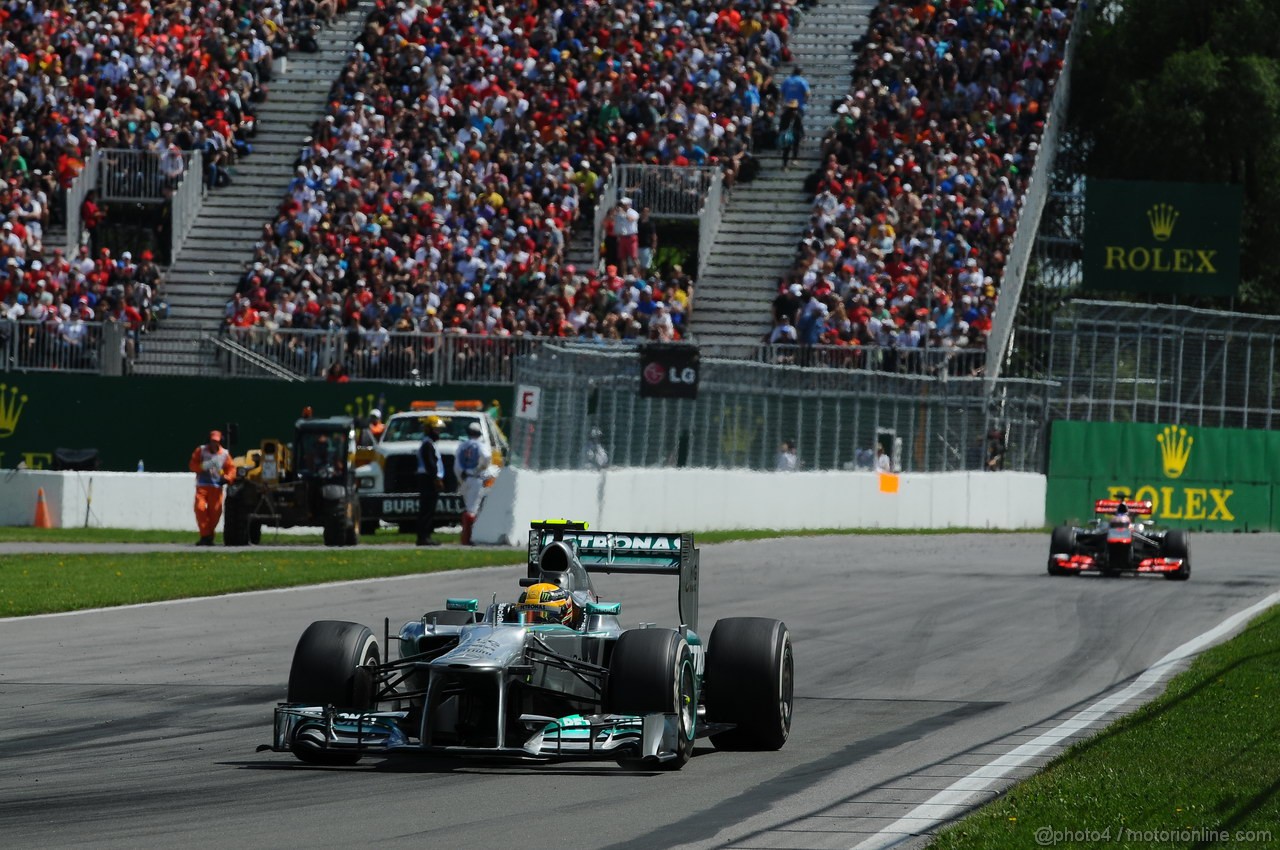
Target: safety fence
[958, 362]
[410, 357]
[1120, 362]
[302, 354]
[68, 346]
[836, 417]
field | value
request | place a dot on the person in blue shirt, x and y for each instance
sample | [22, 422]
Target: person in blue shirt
[795, 94]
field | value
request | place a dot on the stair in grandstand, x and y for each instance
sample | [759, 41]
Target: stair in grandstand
[765, 218]
[204, 274]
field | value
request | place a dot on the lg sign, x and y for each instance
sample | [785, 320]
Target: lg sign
[669, 371]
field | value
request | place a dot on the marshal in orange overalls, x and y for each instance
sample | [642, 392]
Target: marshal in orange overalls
[213, 468]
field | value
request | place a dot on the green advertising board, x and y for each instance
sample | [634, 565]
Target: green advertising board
[159, 420]
[1177, 238]
[1201, 478]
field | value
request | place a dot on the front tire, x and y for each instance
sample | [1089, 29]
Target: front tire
[1063, 542]
[335, 663]
[652, 671]
[1177, 544]
[750, 682]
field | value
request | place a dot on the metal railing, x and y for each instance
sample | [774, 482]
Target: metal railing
[71, 347]
[188, 198]
[958, 362]
[709, 218]
[85, 180]
[1032, 205]
[411, 357]
[744, 411]
[670, 192]
[139, 175]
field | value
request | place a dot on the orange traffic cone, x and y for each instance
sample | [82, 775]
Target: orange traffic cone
[42, 520]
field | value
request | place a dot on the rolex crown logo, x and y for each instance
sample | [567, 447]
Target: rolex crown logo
[1175, 450]
[1162, 217]
[11, 405]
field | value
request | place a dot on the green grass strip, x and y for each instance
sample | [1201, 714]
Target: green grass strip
[46, 583]
[39, 584]
[27, 534]
[1198, 767]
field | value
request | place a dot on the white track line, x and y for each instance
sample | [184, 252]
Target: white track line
[957, 797]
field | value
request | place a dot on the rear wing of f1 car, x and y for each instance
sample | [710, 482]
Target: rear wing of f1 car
[1110, 506]
[633, 553]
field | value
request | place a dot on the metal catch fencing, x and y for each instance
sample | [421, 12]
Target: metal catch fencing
[958, 362]
[744, 411]
[1120, 362]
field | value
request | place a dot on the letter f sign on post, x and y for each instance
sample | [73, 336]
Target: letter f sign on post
[528, 399]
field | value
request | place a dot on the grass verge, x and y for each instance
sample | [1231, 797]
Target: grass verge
[39, 584]
[27, 534]
[1194, 768]
[46, 583]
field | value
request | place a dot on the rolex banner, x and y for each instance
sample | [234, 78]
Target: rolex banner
[1198, 478]
[1181, 238]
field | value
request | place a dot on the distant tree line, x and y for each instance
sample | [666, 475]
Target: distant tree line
[1189, 90]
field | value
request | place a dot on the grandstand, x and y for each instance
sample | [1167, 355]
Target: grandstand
[519, 147]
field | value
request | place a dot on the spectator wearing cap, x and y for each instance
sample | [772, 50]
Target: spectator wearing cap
[211, 463]
[626, 228]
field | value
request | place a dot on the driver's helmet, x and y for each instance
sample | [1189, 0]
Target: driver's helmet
[546, 603]
[1121, 516]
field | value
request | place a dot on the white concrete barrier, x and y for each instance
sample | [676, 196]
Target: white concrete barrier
[653, 500]
[623, 499]
[141, 500]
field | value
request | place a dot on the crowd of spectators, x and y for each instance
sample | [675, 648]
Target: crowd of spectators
[462, 144]
[157, 75]
[917, 195]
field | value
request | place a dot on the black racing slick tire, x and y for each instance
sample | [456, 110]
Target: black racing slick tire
[750, 682]
[1063, 542]
[1177, 544]
[335, 663]
[650, 671]
[235, 520]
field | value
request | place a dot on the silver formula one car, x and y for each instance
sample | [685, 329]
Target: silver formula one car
[554, 676]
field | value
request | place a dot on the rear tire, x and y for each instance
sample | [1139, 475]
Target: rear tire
[1177, 544]
[1063, 542]
[652, 671]
[335, 663]
[334, 532]
[750, 683]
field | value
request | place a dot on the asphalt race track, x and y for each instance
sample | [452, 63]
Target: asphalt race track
[919, 660]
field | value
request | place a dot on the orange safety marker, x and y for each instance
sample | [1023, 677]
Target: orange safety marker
[888, 482]
[42, 520]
